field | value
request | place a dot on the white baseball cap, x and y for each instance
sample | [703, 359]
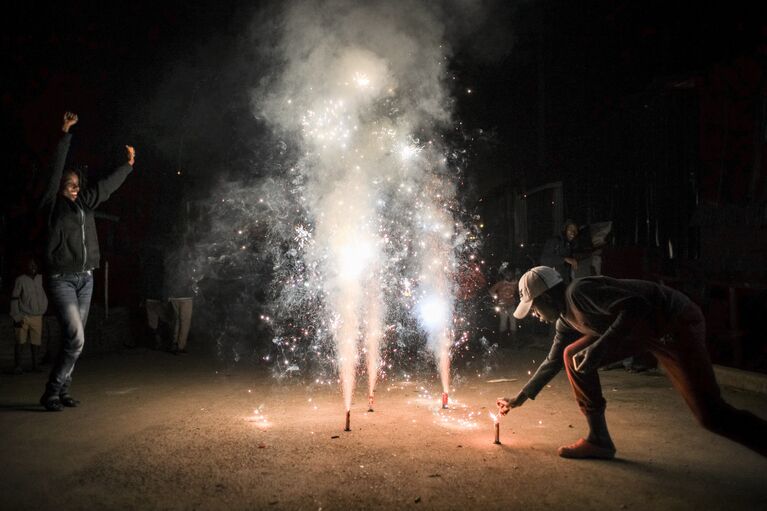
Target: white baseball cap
[533, 284]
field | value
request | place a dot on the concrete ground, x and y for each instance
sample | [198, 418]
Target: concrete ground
[157, 431]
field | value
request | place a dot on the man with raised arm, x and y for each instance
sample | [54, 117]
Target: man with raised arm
[71, 255]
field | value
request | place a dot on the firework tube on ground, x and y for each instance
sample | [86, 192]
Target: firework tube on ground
[370, 403]
[444, 400]
[497, 426]
[348, 420]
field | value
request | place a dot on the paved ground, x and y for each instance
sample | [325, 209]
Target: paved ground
[163, 432]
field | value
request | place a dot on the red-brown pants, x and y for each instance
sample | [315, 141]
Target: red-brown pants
[684, 356]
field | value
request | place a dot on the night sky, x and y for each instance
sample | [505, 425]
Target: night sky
[552, 83]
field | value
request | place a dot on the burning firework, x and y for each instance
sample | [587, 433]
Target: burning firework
[497, 426]
[374, 222]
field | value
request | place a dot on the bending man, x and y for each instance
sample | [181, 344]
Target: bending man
[600, 320]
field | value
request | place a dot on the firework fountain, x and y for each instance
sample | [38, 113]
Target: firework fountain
[361, 93]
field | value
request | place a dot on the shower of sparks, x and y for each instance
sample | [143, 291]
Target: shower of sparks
[358, 220]
[459, 417]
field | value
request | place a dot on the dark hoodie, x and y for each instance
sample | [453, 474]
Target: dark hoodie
[612, 311]
[72, 244]
[556, 249]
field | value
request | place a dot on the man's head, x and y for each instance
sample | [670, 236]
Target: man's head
[570, 230]
[534, 287]
[70, 185]
[31, 267]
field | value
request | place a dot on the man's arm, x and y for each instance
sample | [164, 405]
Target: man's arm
[15, 296]
[554, 362]
[590, 358]
[97, 194]
[59, 159]
[551, 254]
[548, 369]
[628, 310]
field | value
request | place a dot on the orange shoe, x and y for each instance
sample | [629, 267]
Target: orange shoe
[585, 449]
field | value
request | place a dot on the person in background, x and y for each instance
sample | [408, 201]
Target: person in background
[180, 288]
[558, 251]
[28, 305]
[154, 302]
[71, 255]
[504, 293]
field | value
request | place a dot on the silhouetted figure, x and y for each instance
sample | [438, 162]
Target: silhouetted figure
[558, 252]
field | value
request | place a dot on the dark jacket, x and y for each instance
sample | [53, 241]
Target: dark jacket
[72, 244]
[611, 311]
[554, 252]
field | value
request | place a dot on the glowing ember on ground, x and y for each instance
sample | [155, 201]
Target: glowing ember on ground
[259, 419]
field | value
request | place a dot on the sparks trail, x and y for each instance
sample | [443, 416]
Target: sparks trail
[376, 234]
[357, 212]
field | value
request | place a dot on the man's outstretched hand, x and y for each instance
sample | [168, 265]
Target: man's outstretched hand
[505, 403]
[70, 120]
[589, 358]
[131, 152]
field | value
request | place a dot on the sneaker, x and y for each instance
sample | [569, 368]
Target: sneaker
[584, 449]
[51, 403]
[69, 401]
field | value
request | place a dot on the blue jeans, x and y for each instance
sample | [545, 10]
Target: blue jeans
[71, 297]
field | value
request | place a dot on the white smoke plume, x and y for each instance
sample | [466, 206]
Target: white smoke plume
[367, 204]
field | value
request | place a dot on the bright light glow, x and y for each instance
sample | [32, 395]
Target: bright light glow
[433, 312]
[408, 151]
[354, 260]
[361, 79]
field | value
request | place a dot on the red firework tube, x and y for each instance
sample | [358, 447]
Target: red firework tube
[497, 433]
[348, 420]
[444, 400]
[370, 403]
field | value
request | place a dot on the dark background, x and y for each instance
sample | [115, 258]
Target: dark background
[651, 115]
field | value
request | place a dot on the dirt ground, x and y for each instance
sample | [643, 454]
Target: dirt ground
[157, 431]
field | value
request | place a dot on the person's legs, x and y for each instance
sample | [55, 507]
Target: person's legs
[183, 309]
[175, 322]
[71, 296]
[588, 394]
[153, 313]
[84, 294]
[687, 363]
[35, 338]
[22, 334]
